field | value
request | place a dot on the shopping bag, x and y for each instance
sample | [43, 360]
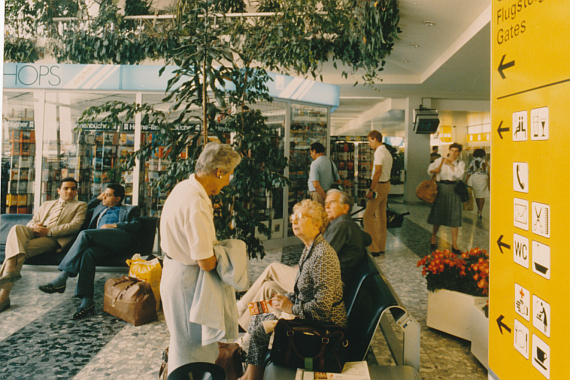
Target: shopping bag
[468, 206]
[149, 271]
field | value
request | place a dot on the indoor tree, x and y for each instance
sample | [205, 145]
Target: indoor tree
[220, 73]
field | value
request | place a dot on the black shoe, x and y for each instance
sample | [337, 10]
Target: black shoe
[376, 254]
[456, 251]
[84, 312]
[433, 247]
[50, 288]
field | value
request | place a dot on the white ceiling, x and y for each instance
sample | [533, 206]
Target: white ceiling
[451, 62]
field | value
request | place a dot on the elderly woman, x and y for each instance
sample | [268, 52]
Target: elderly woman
[188, 239]
[446, 210]
[318, 286]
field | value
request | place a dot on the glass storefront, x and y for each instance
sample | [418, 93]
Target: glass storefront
[18, 152]
[41, 131]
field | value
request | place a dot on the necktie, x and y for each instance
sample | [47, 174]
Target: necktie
[54, 214]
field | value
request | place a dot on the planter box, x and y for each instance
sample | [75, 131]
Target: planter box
[451, 312]
[480, 335]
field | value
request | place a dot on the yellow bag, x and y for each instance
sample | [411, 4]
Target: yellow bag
[149, 271]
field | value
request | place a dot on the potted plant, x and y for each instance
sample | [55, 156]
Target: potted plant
[455, 283]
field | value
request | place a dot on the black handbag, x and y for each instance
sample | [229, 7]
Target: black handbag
[461, 189]
[312, 345]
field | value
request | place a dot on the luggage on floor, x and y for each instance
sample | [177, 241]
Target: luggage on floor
[130, 299]
[393, 219]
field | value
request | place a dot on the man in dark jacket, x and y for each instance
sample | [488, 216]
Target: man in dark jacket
[344, 235]
[111, 230]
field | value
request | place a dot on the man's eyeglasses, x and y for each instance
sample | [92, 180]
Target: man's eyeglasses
[298, 216]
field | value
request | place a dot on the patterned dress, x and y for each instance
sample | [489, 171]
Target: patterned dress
[318, 296]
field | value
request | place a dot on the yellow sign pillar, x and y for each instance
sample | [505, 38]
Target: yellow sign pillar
[529, 321]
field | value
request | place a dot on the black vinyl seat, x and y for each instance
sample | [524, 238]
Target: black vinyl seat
[198, 371]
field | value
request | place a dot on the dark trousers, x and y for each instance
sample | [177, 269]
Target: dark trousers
[89, 246]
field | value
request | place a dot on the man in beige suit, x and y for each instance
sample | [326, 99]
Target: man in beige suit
[53, 226]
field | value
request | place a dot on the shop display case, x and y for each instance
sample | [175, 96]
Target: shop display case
[308, 125]
[343, 155]
[19, 196]
[365, 158]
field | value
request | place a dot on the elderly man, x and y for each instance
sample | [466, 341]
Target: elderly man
[343, 234]
[52, 227]
[111, 230]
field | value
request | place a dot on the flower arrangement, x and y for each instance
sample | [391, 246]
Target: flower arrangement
[466, 273]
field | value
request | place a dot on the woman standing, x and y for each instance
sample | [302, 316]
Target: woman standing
[188, 239]
[479, 169]
[446, 209]
[318, 286]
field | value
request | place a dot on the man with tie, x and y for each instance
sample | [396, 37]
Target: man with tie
[52, 227]
[111, 231]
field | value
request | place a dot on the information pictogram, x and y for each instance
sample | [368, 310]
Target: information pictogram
[520, 129]
[541, 219]
[541, 315]
[520, 177]
[521, 213]
[521, 338]
[541, 356]
[539, 128]
[522, 302]
[521, 250]
[541, 259]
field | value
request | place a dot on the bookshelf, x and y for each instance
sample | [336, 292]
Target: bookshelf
[20, 188]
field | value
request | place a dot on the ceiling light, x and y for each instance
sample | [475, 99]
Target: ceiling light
[429, 23]
[415, 46]
[405, 61]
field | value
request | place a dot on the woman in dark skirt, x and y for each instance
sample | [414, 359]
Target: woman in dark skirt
[446, 210]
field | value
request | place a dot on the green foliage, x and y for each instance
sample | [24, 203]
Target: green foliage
[300, 37]
[21, 50]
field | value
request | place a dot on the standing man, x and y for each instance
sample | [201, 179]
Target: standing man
[374, 217]
[111, 231]
[52, 227]
[323, 173]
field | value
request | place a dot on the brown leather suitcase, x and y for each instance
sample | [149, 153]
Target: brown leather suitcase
[130, 299]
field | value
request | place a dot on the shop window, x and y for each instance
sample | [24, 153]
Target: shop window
[18, 152]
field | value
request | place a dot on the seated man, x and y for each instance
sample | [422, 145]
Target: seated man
[53, 226]
[343, 234]
[111, 230]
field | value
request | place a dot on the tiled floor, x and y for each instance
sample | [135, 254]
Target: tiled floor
[39, 341]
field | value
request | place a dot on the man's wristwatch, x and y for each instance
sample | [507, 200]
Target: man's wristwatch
[49, 234]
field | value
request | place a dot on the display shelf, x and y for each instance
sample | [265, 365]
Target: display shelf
[308, 125]
[20, 187]
[343, 155]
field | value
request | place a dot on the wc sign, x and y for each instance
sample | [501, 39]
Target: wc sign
[521, 250]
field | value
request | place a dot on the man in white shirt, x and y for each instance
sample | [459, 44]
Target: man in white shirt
[374, 217]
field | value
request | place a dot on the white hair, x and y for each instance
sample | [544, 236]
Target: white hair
[217, 156]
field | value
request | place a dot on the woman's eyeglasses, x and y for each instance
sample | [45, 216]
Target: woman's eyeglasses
[298, 216]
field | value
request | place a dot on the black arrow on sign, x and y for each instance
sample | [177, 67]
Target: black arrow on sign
[505, 66]
[502, 325]
[501, 130]
[501, 244]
